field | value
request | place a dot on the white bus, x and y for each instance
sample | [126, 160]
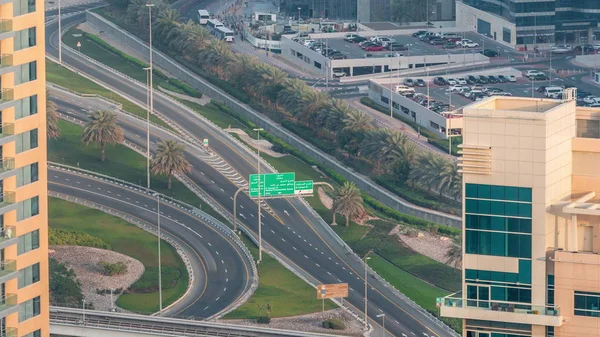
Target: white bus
[223, 33]
[213, 24]
[203, 16]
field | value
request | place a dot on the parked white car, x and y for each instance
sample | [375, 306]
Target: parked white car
[511, 78]
[455, 88]
[533, 73]
[308, 43]
[339, 74]
[561, 49]
[384, 41]
[461, 80]
[451, 81]
[470, 44]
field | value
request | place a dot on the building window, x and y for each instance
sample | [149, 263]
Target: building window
[21, 7]
[29, 275]
[25, 38]
[28, 208]
[27, 174]
[26, 73]
[26, 107]
[28, 242]
[27, 140]
[384, 99]
[29, 309]
[317, 65]
[587, 304]
[506, 35]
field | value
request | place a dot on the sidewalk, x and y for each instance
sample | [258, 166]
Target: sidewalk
[395, 124]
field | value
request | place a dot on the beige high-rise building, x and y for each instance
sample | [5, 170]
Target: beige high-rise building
[531, 205]
[24, 297]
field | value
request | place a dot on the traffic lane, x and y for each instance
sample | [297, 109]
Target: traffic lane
[218, 142]
[72, 9]
[213, 249]
[101, 75]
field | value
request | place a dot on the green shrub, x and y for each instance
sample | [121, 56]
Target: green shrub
[112, 269]
[442, 144]
[185, 88]
[65, 290]
[63, 237]
[334, 324]
[263, 320]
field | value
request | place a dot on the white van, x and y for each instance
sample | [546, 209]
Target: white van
[402, 89]
[553, 92]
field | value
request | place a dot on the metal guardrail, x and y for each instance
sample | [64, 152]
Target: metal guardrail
[207, 218]
[154, 325]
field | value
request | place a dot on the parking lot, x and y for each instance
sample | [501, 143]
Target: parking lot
[416, 47]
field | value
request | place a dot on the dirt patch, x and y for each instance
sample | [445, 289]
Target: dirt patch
[425, 243]
[265, 145]
[84, 261]
[310, 323]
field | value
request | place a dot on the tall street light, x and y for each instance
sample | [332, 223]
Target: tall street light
[259, 193]
[160, 306]
[367, 257]
[150, 89]
[391, 85]
[299, 16]
[148, 126]
[59, 35]
[382, 316]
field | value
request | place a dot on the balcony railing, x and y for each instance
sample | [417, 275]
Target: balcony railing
[523, 308]
[6, 25]
[10, 332]
[7, 164]
[6, 95]
[9, 301]
[7, 129]
[7, 233]
[7, 267]
[6, 60]
[7, 198]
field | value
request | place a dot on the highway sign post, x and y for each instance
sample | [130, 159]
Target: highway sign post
[273, 184]
[336, 290]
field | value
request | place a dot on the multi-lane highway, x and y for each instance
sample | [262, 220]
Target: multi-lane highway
[292, 231]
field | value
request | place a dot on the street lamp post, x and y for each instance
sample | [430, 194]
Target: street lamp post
[151, 92]
[160, 306]
[258, 130]
[391, 98]
[382, 316]
[427, 10]
[299, 15]
[59, 35]
[366, 295]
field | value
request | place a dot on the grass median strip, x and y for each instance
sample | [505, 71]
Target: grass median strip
[122, 163]
[286, 293]
[64, 77]
[130, 240]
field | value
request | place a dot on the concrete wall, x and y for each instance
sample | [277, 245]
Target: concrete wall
[187, 76]
[466, 18]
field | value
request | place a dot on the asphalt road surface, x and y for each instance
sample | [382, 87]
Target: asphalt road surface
[293, 231]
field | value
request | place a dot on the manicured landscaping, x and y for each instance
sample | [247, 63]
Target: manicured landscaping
[130, 240]
[62, 76]
[287, 294]
[122, 163]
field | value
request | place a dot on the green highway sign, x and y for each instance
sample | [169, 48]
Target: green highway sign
[303, 187]
[272, 184]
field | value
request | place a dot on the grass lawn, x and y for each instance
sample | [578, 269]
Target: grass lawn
[121, 162]
[64, 77]
[130, 240]
[287, 294]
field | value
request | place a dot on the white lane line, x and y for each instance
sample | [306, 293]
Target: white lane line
[217, 298]
[202, 173]
[206, 308]
[222, 262]
[294, 248]
[224, 289]
[218, 254]
[272, 231]
[226, 271]
[222, 190]
[317, 265]
[209, 244]
[329, 273]
[306, 256]
[282, 239]
[212, 181]
[227, 279]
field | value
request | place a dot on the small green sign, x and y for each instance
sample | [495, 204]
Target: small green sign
[205, 142]
[303, 187]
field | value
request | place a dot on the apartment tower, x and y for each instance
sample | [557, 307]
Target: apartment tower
[24, 297]
[531, 215]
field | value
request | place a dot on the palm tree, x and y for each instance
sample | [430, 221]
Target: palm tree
[427, 168]
[170, 160]
[193, 38]
[288, 97]
[335, 113]
[357, 120]
[167, 25]
[52, 128]
[348, 201]
[102, 129]
[310, 103]
[217, 55]
[450, 180]
[454, 254]
[239, 69]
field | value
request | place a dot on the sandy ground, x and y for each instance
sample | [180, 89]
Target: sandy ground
[433, 246]
[202, 101]
[84, 261]
[310, 323]
[265, 145]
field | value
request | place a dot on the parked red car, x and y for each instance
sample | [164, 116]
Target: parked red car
[374, 48]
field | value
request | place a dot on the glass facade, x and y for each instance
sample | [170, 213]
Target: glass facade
[498, 220]
[587, 304]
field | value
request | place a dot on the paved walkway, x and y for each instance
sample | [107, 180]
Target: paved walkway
[202, 101]
[393, 123]
[265, 145]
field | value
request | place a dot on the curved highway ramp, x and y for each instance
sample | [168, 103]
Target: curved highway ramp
[91, 323]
